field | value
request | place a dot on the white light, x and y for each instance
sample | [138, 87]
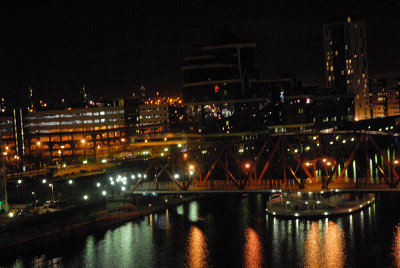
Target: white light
[322, 192]
[325, 213]
[44, 181]
[360, 206]
[368, 202]
[273, 213]
[336, 190]
[133, 177]
[70, 181]
[19, 181]
[298, 193]
[33, 193]
[306, 203]
[318, 202]
[112, 183]
[296, 214]
[98, 184]
[179, 145]
[111, 179]
[310, 193]
[85, 197]
[145, 175]
[165, 149]
[103, 193]
[287, 202]
[139, 175]
[124, 182]
[11, 214]
[350, 210]
[273, 191]
[191, 172]
[104, 161]
[123, 188]
[176, 176]
[84, 161]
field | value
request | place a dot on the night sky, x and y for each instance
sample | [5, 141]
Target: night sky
[116, 46]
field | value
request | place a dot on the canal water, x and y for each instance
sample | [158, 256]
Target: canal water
[234, 231]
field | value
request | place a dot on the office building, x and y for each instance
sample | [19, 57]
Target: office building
[385, 94]
[219, 71]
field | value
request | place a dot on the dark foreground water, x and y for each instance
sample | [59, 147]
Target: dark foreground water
[233, 231]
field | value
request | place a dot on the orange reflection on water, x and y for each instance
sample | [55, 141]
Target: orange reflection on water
[197, 251]
[396, 247]
[253, 254]
[324, 248]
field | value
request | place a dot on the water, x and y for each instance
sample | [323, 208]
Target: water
[233, 231]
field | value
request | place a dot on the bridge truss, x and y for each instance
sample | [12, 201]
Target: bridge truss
[342, 159]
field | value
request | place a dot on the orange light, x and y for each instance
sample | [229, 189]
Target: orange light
[247, 165]
[216, 88]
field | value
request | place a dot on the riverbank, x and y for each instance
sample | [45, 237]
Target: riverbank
[55, 232]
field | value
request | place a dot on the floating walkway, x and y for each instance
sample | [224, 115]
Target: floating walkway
[314, 205]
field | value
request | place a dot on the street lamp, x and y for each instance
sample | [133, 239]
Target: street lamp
[4, 176]
[52, 191]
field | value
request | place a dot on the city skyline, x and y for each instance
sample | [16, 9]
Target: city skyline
[113, 49]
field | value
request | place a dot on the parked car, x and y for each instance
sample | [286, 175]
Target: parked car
[51, 206]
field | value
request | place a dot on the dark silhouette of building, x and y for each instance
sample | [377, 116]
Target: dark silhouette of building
[220, 70]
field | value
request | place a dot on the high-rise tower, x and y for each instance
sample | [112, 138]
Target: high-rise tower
[346, 62]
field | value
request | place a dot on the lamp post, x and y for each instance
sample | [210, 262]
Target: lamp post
[3, 154]
[52, 191]
[83, 141]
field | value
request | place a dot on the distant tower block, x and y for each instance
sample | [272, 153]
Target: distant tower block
[346, 62]
[30, 98]
[84, 95]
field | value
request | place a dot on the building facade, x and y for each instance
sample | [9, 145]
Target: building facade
[75, 132]
[385, 90]
[219, 71]
[346, 64]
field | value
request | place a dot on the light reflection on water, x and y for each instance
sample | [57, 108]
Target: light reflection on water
[326, 247]
[197, 250]
[202, 234]
[253, 250]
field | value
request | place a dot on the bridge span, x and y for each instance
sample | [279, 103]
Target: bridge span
[301, 161]
[273, 186]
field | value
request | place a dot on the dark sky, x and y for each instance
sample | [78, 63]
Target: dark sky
[116, 46]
